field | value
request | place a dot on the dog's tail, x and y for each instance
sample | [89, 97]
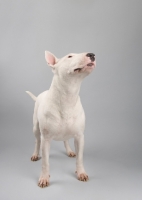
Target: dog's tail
[31, 95]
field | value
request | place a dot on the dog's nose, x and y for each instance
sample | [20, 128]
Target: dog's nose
[91, 55]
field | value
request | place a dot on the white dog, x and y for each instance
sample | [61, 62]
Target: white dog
[58, 112]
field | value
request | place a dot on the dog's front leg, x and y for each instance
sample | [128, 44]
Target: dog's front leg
[44, 177]
[79, 146]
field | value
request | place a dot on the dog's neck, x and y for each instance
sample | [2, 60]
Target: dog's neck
[65, 91]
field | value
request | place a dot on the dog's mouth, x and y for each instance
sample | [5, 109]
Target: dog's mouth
[80, 68]
[90, 64]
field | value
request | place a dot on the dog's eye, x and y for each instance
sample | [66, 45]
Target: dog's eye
[69, 56]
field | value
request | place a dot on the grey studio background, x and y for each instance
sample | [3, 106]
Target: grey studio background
[111, 96]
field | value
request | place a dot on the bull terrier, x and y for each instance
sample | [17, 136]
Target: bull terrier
[58, 112]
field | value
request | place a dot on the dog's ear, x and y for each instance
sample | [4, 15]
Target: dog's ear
[50, 59]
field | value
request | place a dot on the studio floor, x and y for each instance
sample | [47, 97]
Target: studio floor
[110, 177]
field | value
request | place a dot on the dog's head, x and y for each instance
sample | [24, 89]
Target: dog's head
[72, 64]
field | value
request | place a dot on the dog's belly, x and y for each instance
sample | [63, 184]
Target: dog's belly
[62, 136]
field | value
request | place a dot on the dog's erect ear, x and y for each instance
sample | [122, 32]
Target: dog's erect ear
[50, 59]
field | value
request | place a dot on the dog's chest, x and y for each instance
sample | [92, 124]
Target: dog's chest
[64, 129]
[63, 124]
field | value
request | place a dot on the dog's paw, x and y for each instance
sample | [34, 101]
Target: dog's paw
[43, 182]
[34, 158]
[71, 154]
[82, 177]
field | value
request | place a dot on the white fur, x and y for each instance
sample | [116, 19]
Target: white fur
[58, 112]
[31, 95]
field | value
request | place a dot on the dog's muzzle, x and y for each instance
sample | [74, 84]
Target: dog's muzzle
[91, 56]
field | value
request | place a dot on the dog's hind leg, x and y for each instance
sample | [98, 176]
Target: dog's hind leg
[69, 151]
[37, 142]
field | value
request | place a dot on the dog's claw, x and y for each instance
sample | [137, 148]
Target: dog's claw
[34, 158]
[71, 154]
[83, 177]
[43, 182]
